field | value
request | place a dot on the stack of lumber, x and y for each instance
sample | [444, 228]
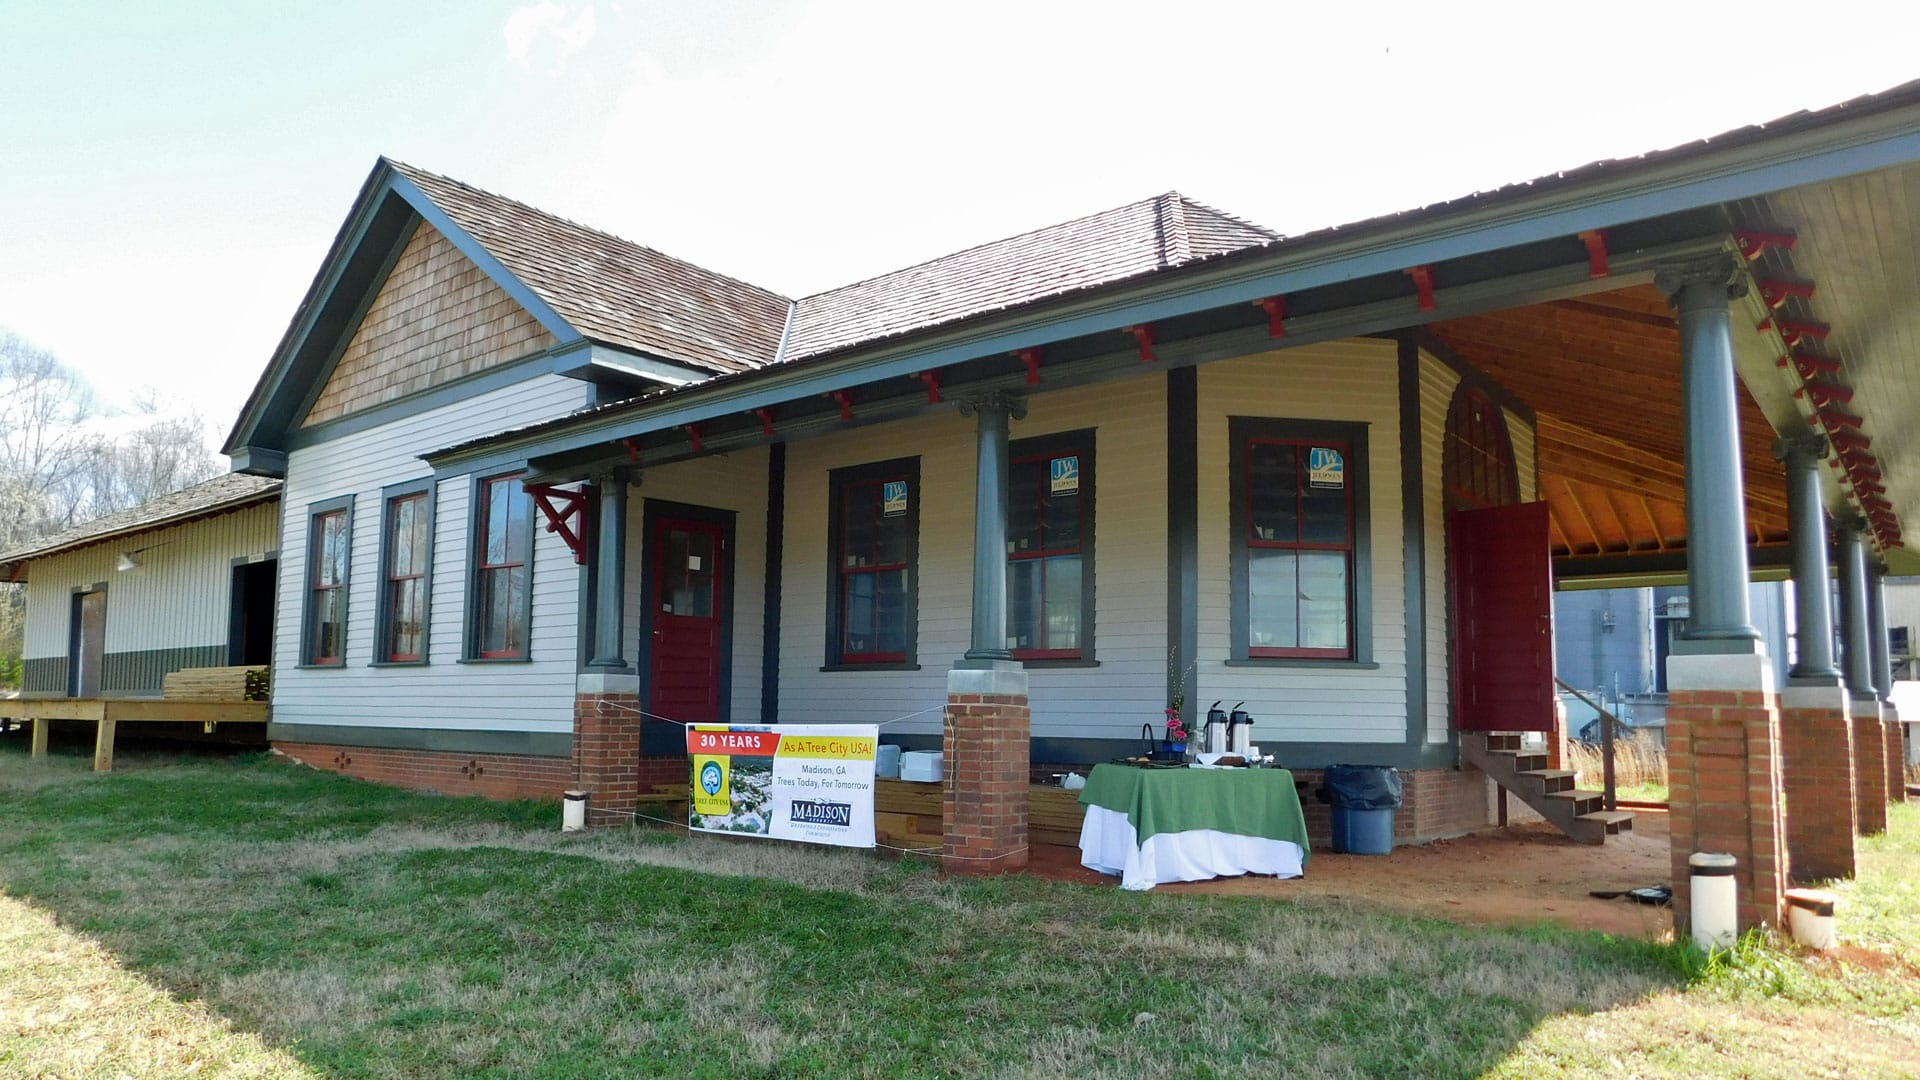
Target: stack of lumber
[216, 684]
[1054, 815]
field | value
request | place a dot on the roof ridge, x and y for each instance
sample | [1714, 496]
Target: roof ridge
[1247, 223]
[406, 167]
[979, 247]
[1176, 246]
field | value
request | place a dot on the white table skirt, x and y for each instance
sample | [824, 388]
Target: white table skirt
[1108, 844]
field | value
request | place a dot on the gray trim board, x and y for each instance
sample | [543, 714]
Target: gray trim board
[529, 743]
[1413, 528]
[660, 737]
[451, 392]
[1183, 525]
[776, 547]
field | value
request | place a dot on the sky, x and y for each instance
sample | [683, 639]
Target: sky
[173, 173]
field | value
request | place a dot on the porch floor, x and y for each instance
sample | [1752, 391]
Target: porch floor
[1522, 874]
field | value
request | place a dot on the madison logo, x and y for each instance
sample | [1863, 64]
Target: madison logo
[821, 813]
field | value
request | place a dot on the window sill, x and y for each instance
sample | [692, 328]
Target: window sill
[1043, 664]
[896, 666]
[494, 660]
[320, 667]
[396, 663]
[1302, 662]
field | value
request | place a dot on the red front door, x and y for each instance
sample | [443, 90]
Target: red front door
[1502, 618]
[689, 622]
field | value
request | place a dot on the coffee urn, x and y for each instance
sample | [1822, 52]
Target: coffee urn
[1214, 736]
[1240, 732]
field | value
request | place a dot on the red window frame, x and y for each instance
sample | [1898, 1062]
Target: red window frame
[1255, 542]
[396, 581]
[848, 502]
[484, 571]
[322, 592]
[1045, 552]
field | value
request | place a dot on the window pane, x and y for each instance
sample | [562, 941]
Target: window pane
[408, 602]
[331, 609]
[1323, 600]
[517, 579]
[1061, 516]
[1273, 488]
[331, 553]
[503, 627]
[856, 615]
[1063, 609]
[890, 610]
[1325, 517]
[496, 514]
[1024, 604]
[518, 508]
[894, 542]
[688, 574]
[858, 519]
[1273, 589]
[1025, 482]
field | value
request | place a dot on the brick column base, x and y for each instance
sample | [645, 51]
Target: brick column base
[1896, 754]
[606, 746]
[985, 760]
[1869, 767]
[1816, 764]
[1723, 769]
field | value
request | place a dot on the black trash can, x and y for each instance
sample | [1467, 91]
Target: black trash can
[1364, 798]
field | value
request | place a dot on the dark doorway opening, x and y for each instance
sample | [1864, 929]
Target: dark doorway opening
[87, 643]
[250, 629]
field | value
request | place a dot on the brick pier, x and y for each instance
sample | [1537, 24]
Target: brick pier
[984, 759]
[1816, 757]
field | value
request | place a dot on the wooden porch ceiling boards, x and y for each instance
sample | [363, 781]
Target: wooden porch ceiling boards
[1603, 375]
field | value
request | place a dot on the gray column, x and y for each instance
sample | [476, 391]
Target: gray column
[1716, 507]
[991, 413]
[1856, 627]
[610, 577]
[1877, 626]
[1812, 575]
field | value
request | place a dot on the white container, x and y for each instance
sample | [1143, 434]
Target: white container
[1810, 917]
[1716, 912]
[920, 766]
[886, 761]
[573, 811]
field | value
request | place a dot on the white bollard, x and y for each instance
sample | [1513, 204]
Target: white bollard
[573, 813]
[1810, 917]
[1716, 908]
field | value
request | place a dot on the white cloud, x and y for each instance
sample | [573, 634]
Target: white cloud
[547, 33]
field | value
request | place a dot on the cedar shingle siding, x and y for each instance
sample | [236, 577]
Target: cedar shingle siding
[437, 318]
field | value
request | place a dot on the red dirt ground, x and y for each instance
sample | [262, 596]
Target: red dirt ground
[1524, 874]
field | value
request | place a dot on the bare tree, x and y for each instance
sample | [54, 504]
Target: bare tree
[44, 442]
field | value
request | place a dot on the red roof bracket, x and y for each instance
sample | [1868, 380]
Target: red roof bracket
[1144, 335]
[1776, 293]
[1835, 419]
[633, 450]
[845, 398]
[1031, 358]
[696, 434]
[569, 518]
[1276, 309]
[1823, 393]
[766, 421]
[1850, 442]
[932, 379]
[1755, 244]
[1423, 280]
[1794, 331]
[1809, 365]
[1596, 241]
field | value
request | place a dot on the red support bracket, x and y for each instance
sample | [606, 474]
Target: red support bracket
[1276, 309]
[1849, 442]
[1823, 393]
[633, 450]
[697, 435]
[1810, 366]
[1794, 331]
[932, 379]
[1596, 241]
[1031, 358]
[569, 518]
[1835, 419]
[845, 398]
[1144, 335]
[766, 421]
[1755, 244]
[1776, 293]
[1423, 280]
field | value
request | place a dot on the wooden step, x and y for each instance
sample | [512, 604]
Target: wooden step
[1615, 821]
[1522, 760]
[1584, 801]
[1551, 780]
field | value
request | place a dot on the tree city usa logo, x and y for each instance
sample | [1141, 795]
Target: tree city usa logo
[710, 778]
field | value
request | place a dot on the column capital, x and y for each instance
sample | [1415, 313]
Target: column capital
[625, 475]
[1723, 276]
[1800, 451]
[1014, 405]
[1850, 527]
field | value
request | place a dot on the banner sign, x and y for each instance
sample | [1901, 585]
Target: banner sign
[810, 782]
[1326, 468]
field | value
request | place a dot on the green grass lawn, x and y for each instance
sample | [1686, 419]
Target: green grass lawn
[247, 917]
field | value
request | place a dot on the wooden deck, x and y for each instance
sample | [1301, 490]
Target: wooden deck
[908, 814]
[107, 713]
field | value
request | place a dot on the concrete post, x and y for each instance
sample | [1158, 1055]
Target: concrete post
[610, 561]
[991, 413]
[1719, 618]
[1812, 576]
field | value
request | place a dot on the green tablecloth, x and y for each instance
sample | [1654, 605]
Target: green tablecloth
[1246, 802]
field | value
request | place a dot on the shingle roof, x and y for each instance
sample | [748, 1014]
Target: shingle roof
[614, 291]
[1139, 238]
[231, 491]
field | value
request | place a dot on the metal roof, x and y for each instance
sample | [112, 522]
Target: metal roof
[220, 495]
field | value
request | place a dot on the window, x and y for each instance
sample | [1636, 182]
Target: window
[873, 542]
[1050, 548]
[1300, 573]
[502, 599]
[406, 559]
[329, 543]
[1477, 465]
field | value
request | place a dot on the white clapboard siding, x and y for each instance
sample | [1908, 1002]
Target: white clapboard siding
[736, 481]
[1353, 381]
[178, 597]
[1130, 538]
[445, 694]
[1438, 382]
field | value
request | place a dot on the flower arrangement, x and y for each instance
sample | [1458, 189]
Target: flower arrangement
[1176, 697]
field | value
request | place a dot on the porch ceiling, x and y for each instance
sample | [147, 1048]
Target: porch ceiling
[1603, 374]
